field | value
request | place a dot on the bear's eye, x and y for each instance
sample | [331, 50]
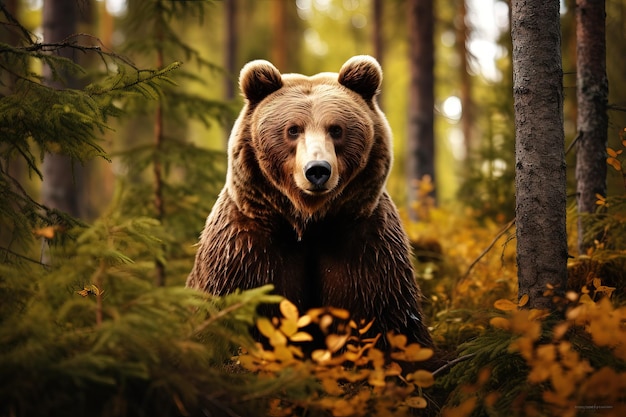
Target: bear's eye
[294, 132]
[335, 131]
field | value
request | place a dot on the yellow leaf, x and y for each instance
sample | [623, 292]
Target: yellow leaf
[283, 354]
[611, 152]
[606, 290]
[278, 339]
[301, 337]
[365, 328]
[483, 376]
[340, 313]
[462, 410]
[562, 383]
[377, 357]
[46, 232]
[397, 340]
[250, 363]
[537, 314]
[321, 355]
[289, 310]
[615, 163]
[422, 355]
[325, 322]
[304, 321]
[84, 292]
[500, 323]
[296, 351]
[546, 353]
[393, 369]
[491, 398]
[422, 378]
[331, 387]
[289, 327]
[413, 353]
[597, 282]
[377, 378]
[265, 326]
[523, 300]
[416, 402]
[560, 330]
[505, 305]
[315, 313]
[334, 342]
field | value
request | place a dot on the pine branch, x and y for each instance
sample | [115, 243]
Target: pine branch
[25, 32]
[220, 314]
[25, 258]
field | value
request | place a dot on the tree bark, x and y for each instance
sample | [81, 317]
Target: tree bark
[377, 36]
[462, 32]
[540, 155]
[421, 138]
[157, 163]
[60, 189]
[279, 34]
[230, 59]
[592, 91]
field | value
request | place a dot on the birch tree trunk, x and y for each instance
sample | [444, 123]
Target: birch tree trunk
[540, 155]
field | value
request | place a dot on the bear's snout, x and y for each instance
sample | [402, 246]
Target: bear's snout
[317, 172]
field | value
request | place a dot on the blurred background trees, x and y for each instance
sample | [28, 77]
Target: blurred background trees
[472, 145]
[136, 99]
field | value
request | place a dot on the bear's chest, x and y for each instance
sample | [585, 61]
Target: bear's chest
[322, 267]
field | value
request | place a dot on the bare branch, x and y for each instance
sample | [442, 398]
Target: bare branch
[498, 236]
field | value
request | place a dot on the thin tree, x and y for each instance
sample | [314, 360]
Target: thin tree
[279, 34]
[540, 155]
[60, 188]
[377, 35]
[462, 34]
[421, 137]
[230, 59]
[592, 91]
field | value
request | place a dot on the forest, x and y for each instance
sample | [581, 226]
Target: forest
[509, 173]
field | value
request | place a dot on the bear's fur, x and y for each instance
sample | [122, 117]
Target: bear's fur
[304, 206]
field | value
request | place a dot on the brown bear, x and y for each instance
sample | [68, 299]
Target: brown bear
[304, 206]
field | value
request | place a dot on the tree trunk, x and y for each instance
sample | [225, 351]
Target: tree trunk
[279, 34]
[421, 138]
[230, 59]
[462, 33]
[377, 36]
[540, 156]
[592, 91]
[157, 163]
[60, 188]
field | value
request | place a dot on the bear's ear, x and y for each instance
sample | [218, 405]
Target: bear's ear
[258, 79]
[361, 74]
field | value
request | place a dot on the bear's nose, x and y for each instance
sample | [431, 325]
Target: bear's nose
[317, 172]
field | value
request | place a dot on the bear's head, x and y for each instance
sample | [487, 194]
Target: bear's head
[309, 146]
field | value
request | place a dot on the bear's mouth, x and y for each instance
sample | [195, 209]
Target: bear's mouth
[317, 190]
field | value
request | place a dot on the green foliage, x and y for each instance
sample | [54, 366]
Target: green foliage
[90, 335]
[167, 175]
[530, 362]
[36, 119]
